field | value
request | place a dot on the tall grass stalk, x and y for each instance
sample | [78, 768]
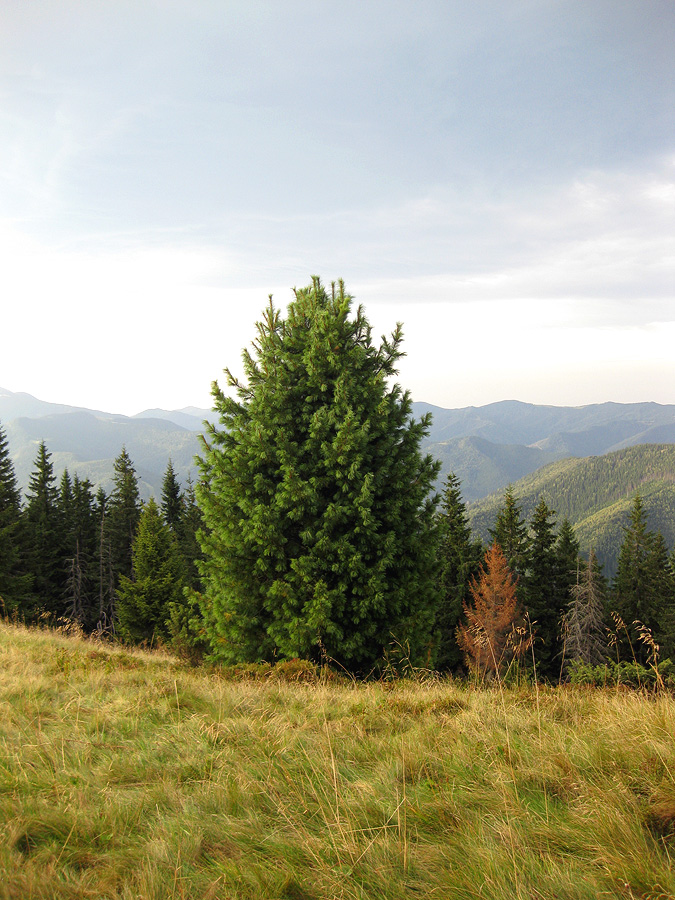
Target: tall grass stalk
[497, 669]
[536, 693]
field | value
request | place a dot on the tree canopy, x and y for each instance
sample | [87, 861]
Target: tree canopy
[459, 555]
[143, 606]
[319, 532]
[643, 586]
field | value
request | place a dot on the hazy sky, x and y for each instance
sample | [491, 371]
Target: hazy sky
[499, 176]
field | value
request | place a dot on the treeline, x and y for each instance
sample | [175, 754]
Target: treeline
[535, 596]
[105, 562]
[130, 571]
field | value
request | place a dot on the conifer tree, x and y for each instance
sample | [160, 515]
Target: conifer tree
[14, 582]
[43, 538]
[143, 604]
[567, 555]
[584, 620]
[65, 498]
[80, 538]
[123, 513]
[459, 557]
[643, 587]
[667, 622]
[510, 532]
[189, 524]
[544, 601]
[186, 622]
[105, 580]
[182, 514]
[64, 503]
[172, 501]
[491, 614]
[319, 525]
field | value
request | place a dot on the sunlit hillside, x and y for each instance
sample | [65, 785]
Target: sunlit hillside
[128, 775]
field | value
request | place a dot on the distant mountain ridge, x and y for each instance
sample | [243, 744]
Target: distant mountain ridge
[21, 405]
[487, 447]
[86, 441]
[514, 422]
[510, 439]
[191, 417]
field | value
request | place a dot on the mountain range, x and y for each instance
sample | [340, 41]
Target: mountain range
[86, 441]
[487, 447]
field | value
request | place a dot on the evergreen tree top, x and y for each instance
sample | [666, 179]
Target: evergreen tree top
[42, 485]
[125, 491]
[510, 532]
[172, 500]
[10, 496]
[316, 499]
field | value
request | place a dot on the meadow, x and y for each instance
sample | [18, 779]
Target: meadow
[127, 774]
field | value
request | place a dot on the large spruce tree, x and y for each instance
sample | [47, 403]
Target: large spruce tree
[319, 522]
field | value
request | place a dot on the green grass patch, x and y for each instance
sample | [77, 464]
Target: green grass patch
[129, 775]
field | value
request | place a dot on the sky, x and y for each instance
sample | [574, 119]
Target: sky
[499, 177]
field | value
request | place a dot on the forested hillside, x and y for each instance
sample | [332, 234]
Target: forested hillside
[492, 446]
[484, 467]
[596, 494]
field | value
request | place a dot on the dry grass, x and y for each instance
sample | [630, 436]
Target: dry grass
[128, 775]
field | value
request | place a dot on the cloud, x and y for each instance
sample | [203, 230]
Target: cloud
[605, 239]
[502, 179]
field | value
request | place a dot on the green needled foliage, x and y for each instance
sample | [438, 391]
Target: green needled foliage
[510, 532]
[158, 580]
[124, 509]
[319, 532]
[43, 534]
[172, 505]
[80, 550]
[15, 584]
[544, 601]
[460, 556]
[643, 586]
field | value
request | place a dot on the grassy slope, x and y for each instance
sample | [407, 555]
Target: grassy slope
[127, 775]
